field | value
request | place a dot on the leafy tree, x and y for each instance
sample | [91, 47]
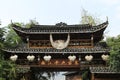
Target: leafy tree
[2, 32]
[87, 18]
[11, 38]
[31, 23]
[1, 37]
[86, 75]
[114, 44]
[1, 54]
[7, 69]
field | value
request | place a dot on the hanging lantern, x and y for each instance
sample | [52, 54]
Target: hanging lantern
[47, 58]
[30, 57]
[89, 57]
[105, 57]
[13, 58]
[72, 58]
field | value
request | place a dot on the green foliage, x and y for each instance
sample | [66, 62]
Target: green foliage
[86, 18]
[7, 70]
[86, 75]
[2, 32]
[11, 38]
[1, 54]
[114, 44]
[115, 60]
[31, 23]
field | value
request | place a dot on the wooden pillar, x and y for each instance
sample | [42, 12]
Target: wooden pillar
[92, 43]
[92, 76]
[27, 42]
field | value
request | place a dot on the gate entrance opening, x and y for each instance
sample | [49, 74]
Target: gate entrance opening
[60, 47]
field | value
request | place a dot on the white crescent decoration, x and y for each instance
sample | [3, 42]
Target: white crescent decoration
[59, 44]
[89, 57]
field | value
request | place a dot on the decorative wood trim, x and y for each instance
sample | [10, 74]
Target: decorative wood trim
[68, 47]
[79, 43]
[59, 62]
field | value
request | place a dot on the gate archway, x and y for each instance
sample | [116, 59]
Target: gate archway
[69, 48]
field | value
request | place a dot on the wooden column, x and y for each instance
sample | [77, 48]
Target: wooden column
[28, 44]
[92, 76]
[92, 43]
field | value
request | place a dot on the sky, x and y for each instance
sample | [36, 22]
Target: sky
[50, 12]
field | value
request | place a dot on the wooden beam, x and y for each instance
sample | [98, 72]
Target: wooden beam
[92, 42]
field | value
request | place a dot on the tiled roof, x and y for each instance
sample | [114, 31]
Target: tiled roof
[71, 73]
[51, 50]
[103, 70]
[61, 28]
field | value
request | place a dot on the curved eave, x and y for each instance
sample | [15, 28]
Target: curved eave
[101, 27]
[18, 30]
[91, 29]
[50, 51]
[103, 70]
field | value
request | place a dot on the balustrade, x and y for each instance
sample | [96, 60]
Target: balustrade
[73, 43]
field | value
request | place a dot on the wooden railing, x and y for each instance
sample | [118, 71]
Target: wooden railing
[73, 43]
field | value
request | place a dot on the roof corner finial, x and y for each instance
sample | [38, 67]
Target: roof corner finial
[11, 22]
[107, 18]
